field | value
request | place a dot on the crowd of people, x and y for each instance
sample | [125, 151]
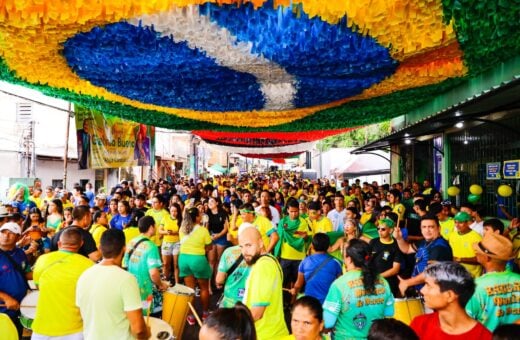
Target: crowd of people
[292, 259]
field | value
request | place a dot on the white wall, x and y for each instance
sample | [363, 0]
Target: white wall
[48, 170]
[49, 136]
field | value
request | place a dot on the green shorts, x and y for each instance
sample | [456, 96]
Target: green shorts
[194, 265]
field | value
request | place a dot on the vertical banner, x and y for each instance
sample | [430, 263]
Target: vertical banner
[106, 141]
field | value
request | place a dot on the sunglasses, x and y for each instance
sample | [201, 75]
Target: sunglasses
[381, 229]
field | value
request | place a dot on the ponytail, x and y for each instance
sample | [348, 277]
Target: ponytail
[361, 254]
[188, 220]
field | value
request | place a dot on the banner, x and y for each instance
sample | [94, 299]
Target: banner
[106, 141]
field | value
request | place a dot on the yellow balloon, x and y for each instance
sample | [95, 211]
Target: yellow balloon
[453, 191]
[475, 189]
[505, 190]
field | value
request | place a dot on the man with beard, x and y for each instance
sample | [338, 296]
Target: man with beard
[263, 295]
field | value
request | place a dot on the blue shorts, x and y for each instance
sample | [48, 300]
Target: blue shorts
[221, 241]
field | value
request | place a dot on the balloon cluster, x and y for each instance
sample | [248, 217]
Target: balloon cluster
[476, 190]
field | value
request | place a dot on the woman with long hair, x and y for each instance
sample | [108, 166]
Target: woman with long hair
[359, 296]
[170, 248]
[123, 216]
[218, 225]
[350, 232]
[193, 264]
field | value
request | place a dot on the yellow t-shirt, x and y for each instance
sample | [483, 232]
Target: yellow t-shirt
[56, 275]
[168, 224]
[324, 225]
[462, 246]
[130, 234]
[158, 216]
[68, 204]
[97, 231]
[264, 289]
[288, 252]
[8, 328]
[261, 223]
[399, 209]
[447, 227]
[38, 201]
[365, 217]
[195, 243]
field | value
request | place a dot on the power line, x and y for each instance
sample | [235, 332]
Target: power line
[37, 102]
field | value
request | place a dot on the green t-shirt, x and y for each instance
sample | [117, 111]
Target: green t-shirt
[236, 282]
[496, 300]
[355, 310]
[264, 289]
[145, 257]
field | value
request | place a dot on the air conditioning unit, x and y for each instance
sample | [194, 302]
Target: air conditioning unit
[24, 112]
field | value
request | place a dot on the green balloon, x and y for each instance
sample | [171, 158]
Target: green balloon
[472, 198]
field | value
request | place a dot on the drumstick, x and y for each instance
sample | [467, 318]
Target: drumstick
[195, 313]
[24, 306]
[149, 300]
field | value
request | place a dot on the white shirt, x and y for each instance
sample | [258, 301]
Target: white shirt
[274, 213]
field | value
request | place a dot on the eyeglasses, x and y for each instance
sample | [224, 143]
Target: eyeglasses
[381, 229]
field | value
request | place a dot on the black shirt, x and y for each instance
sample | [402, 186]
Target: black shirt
[89, 245]
[216, 221]
[384, 256]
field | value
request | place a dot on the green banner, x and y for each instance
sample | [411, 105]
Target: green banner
[106, 141]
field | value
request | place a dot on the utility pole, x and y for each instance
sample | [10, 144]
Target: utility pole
[70, 114]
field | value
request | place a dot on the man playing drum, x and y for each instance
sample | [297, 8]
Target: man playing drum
[56, 274]
[108, 296]
[434, 248]
[14, 271]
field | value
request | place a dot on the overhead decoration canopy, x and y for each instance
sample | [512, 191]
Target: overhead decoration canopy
[229, 68]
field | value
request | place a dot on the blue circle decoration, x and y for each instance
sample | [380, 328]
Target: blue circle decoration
[137, 63]
[329, 62]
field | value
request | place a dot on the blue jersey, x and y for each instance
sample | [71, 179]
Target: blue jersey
[11, 280]
[436, 250]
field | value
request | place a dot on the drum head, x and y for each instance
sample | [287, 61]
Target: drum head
[28, 305]
[181, 290]
[160, 329]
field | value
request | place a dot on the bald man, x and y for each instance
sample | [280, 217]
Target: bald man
[263, 295]
[56, 274]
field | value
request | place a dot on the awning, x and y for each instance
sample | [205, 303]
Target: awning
[488, 106]
[367, 165]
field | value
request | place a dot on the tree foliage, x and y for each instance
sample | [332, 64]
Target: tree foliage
[357, 137]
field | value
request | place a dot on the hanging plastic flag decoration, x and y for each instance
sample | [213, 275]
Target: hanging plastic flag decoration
[253, 66]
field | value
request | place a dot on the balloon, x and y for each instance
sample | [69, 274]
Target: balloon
[475, 189]
[472, 198]
[453, 191]
[505, 190]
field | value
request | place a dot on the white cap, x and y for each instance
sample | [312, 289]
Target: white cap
[12, 227]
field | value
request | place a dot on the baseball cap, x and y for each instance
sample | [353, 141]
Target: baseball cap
[462, 216]
[12, 227]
